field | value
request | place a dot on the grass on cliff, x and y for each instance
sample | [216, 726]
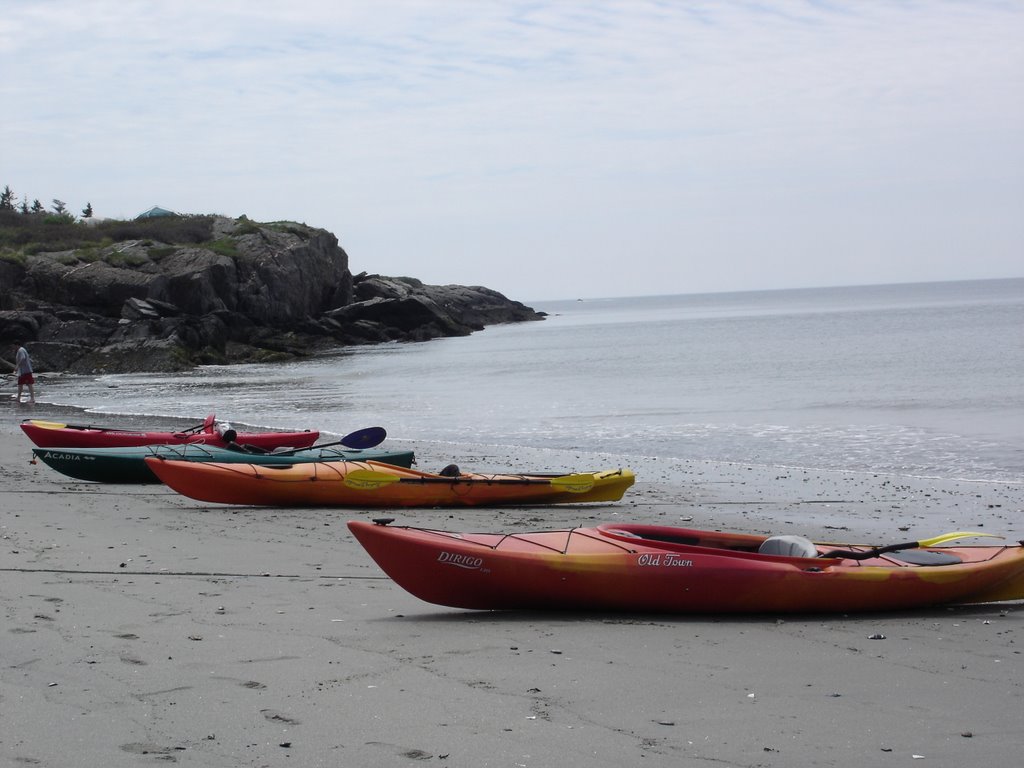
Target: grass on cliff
[33, 233]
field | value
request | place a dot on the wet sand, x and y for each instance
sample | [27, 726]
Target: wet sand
[141, 627]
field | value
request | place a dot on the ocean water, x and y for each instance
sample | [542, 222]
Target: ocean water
[923, 379]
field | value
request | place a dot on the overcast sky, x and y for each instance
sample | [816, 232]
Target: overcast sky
[546, 149]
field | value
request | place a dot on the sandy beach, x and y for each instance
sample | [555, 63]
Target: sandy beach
[141, 627]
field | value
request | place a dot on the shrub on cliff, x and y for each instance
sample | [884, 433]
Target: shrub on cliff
[45, 233]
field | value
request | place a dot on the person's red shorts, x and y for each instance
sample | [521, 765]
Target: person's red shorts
[26, 378]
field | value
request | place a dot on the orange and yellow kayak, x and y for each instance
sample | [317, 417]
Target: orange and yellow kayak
[643, 568]
[373, 484]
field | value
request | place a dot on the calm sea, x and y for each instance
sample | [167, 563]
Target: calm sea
[922, 379]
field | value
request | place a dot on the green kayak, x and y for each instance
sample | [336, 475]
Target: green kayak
[128, 465]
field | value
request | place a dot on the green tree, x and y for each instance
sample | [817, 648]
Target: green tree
[87, 211]
[37, 207]
[60, 207]
[24, 204]
[7, 199]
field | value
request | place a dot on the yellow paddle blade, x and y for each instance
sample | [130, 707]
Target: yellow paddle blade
[368, 480]
[955, 535]
[580, 483]
[48, 424]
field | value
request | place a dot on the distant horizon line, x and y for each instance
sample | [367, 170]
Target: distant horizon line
[777, 290]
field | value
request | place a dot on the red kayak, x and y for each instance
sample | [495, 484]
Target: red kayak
[51, 434]
[646, 568]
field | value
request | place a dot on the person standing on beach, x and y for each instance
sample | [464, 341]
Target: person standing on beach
[23, 370]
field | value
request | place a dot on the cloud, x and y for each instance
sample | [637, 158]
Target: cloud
[476, 142]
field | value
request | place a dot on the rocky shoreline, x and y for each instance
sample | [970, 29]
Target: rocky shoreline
[169, 294]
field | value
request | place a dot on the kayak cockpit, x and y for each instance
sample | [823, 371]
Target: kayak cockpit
[783, 546]
[663, 536]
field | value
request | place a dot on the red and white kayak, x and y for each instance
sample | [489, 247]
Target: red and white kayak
[644, 568]
[51, 434]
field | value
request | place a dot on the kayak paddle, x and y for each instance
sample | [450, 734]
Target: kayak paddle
[84, 427]
[361, 438]
[369, 480]
[876, 551]
[59, 425]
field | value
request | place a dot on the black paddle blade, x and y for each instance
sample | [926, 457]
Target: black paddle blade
[364, 438]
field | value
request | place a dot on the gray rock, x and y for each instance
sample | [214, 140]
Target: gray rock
[235, 291]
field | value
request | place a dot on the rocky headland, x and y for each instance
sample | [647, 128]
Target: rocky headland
[169, 293]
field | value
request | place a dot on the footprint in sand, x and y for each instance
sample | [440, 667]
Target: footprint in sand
[141, 748]
[278, 717]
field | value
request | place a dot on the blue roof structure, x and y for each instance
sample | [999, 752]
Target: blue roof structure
[154, 212]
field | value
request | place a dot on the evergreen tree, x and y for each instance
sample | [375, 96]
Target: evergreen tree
[87, 211]
[59, 207]
[24, 204]
[7, 199]
[37, 207]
